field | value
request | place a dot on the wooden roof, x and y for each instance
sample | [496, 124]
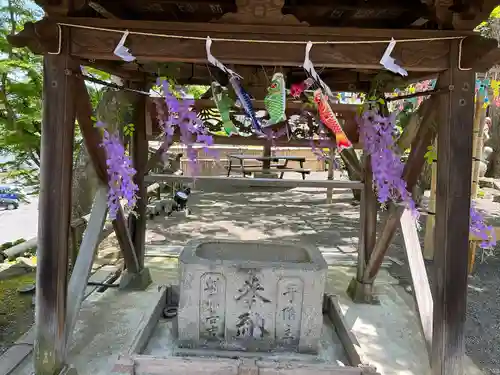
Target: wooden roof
[429, 14]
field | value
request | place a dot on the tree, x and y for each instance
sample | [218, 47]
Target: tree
[20, 93]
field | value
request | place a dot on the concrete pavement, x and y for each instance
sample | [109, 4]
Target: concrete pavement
[20, 223]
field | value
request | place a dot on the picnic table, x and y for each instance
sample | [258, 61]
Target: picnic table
[275, 163]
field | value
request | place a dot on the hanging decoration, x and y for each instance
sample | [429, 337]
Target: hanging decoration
[275, 100]
[478, 228]
[377, 135]
[245, 102]
[483, 87]
[389, 63]
[182, 116]
[329, 119]
[243, 97]
[120, 173]
[297, 89]
[309, 68]
[224, 103]
[325, 112]
[123, 52]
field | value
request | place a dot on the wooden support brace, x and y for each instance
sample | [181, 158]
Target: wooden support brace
[452, 218]
[83, 265]
[54, 214]
[421, 287]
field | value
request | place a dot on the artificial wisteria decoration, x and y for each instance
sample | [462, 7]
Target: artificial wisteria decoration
[120, 172]
[480, 229]
[181, 114]
[377, 135]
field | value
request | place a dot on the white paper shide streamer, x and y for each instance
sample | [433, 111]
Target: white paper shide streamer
[389, 63]
[121, 51]
[309, 68]
[211, 58]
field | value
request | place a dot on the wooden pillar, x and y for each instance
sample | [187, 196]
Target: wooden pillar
[139, 151]
[452, 218]
[359, 290]
[54, 215]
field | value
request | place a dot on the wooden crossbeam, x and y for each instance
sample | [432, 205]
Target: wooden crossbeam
[293, 105]
[91, 43]
[215, 181]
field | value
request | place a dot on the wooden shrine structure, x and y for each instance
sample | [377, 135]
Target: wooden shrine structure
[167, 37]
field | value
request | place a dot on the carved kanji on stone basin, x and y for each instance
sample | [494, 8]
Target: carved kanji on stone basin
[251, 295]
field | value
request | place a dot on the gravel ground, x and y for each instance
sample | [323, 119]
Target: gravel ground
[483, 313]
[482, 327]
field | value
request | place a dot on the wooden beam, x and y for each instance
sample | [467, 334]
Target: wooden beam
[291, 105]
[83, 265]
[125, 242]
[139, 151]
[91, 136]
[215, 181]
[58, 126]
[90, 43]
[421, 286]
[452, 219]
[109, 11]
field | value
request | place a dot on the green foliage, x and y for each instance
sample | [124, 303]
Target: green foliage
[128, 130]
[21, 83]
[20, 92]
[491, 27]
[431, 155]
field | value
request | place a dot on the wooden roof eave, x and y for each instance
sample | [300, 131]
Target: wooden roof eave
[92, 43]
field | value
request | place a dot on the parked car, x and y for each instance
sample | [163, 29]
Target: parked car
[10, 198]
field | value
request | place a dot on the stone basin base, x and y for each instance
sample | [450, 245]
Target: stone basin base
[251, 295]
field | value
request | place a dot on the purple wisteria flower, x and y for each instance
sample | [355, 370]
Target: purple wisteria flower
[120, 172]
[377, 134]
[480, 229]
[181, 115]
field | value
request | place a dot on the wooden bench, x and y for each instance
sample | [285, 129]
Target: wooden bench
[473, 244]
[275, 165]
[281, 170]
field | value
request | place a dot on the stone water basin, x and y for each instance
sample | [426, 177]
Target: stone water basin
[251, 295]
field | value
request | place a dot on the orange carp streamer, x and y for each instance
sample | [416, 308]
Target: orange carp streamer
[329, 119]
